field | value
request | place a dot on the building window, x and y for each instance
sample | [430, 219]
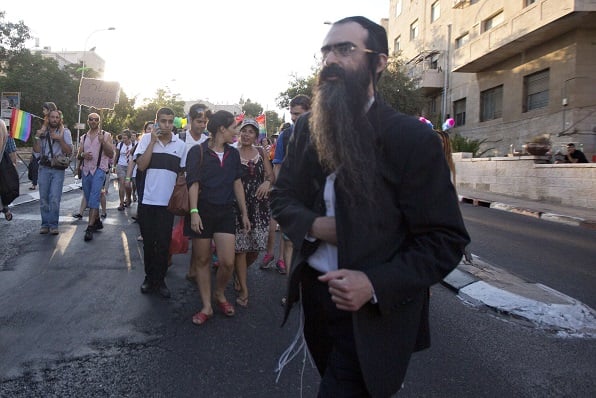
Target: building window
[536, 90]
[435, 11]
[462, 40]
[491, 103]
[397, 8]
[397, 45]
[459, 108]
[414, 30]
[433, 105]
[433, 62]
[530, 2]
[493, 21]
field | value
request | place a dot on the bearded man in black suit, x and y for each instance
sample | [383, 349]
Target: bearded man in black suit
[365, 195]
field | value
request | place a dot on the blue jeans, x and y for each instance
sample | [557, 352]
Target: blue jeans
[50, 183]
[92, 185]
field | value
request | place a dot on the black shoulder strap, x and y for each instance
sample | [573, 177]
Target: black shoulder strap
[50, 143]
[100, 149]
[83, 146]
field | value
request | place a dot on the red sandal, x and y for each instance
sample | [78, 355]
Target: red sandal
[200, 318]
[226, 308]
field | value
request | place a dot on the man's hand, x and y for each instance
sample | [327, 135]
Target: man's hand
[324, 228]
[349, 289]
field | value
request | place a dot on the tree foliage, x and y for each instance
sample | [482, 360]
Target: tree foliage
[123, 116]
[251, 109]
[460, 143]
[163, 98]
[398, 90]
[39, 80]
[12, 37]
[273, 121]
[298, 85]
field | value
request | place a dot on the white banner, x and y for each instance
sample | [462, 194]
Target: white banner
[98, 94]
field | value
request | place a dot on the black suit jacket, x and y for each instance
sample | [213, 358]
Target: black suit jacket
[411, 240]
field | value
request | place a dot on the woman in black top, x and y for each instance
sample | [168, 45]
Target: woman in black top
[213, 176]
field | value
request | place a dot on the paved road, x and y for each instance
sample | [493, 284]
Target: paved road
[73, 323]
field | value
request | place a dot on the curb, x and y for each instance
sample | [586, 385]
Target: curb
[484, 285]
[553, 217]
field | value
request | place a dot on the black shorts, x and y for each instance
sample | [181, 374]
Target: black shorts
[216, 219]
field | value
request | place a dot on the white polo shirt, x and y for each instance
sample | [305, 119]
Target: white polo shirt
[160, 176]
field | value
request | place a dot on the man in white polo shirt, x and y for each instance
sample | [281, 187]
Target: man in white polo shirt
[161, 155]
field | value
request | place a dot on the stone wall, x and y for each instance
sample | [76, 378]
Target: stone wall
[526, 177]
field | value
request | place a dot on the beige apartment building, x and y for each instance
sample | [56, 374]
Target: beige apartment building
[505, 70]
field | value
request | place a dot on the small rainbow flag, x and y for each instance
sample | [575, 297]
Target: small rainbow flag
[20, 124]
[262, 120]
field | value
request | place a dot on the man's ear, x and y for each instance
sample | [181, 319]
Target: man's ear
[381, 62]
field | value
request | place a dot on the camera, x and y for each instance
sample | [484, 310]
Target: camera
[45, 161]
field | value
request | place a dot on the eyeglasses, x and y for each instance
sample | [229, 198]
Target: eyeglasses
[343, 50]
[93, 119]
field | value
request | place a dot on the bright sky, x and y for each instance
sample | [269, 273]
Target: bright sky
[214, 50]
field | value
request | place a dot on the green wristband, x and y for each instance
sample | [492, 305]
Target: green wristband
[195, 210]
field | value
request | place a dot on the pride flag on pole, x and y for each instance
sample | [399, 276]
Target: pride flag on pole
[20, 124]
[262, 120]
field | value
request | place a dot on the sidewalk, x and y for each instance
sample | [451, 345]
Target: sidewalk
[483, 284]
[26, 195]
[575, 216]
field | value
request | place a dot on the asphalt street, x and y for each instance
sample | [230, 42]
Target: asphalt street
[73, 323]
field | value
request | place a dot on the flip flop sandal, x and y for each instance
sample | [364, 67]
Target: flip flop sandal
[226, 308]
[242, 302]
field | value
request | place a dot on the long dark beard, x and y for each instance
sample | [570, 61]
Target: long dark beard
[342, 136]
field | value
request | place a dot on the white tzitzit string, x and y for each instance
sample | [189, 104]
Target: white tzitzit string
[297, 345]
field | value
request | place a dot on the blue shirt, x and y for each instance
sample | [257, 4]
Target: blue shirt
[11, 146]
[280, 147]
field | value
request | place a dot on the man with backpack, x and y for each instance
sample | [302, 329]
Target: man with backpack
[95, 152]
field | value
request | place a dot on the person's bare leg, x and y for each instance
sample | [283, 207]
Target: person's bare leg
[202, 259]
[225, 244]
[83, 205]
[103, 202]
[241, 274]
[193, 264]
[121, 190]
[287, 254]
[93, 217]
[271, 236]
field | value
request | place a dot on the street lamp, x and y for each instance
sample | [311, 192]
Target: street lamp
[83, 75]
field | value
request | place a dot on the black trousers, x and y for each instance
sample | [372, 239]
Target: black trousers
[156, 224]
[33, 170]
[329, 335]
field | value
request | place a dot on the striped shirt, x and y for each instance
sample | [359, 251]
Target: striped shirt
[160, 177]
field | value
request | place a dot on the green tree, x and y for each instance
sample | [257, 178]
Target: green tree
[273, 122]
[39, 80]
[298, 85]
[251, 109]
[398, 90]
[163, 98]
[12, 38]
[123, 116]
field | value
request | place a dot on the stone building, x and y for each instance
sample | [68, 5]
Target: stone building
[505, 70]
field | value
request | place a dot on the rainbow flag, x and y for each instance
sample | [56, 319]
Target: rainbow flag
[262, 120]
[20, 124]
